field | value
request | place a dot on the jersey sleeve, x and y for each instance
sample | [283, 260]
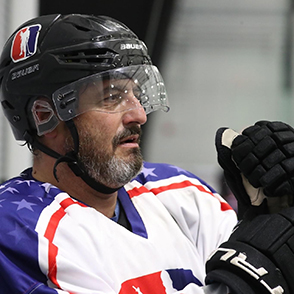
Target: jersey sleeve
[15, 275]
[21, 202]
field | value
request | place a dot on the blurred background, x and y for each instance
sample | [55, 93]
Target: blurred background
[225, 63]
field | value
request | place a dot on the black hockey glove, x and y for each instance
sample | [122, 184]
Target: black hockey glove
[258, 164]
[258, 258]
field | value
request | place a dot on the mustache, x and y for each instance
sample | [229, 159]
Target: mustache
[133, 130]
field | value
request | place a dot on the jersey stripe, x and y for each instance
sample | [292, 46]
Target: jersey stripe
[50, 233]
[53, 250]
[140, 190]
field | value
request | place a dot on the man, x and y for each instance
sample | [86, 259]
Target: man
[90, 217]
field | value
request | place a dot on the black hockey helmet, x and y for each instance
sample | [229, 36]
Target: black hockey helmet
[50, 52]
[58, 57]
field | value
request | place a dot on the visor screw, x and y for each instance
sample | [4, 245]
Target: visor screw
[59, 97]
[16, 118]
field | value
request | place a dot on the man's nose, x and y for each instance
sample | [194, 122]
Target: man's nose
[136, 112]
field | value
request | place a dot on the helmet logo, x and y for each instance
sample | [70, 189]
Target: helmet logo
[24, 44]
[129, 46]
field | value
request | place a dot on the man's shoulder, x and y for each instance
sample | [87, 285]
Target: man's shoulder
[157, 171]
[27, 191]
[22, 200]
[153, 172]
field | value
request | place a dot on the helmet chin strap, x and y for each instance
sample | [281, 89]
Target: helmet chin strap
[71, 159]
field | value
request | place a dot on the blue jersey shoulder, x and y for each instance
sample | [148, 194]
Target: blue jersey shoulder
[25, 197]
[22, 199]
[159, 171]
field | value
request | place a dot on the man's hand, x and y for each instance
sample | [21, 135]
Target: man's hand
[259, 164]
[258, 258]
[259, 168]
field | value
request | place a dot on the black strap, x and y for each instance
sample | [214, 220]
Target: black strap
[71, 159]
[74, 133]
[31, 140]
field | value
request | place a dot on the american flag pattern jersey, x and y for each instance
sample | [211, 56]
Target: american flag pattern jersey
[51, 243]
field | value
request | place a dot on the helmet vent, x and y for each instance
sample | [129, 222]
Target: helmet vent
[6, 105]
[96, 55]
[80, 28]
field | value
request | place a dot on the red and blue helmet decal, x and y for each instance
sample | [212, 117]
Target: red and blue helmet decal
[25, 41]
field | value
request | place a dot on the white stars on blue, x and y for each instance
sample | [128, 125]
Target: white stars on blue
[19, 232]
[178, 169]
[148, 172]
[33, 196]
[4, 185]
[24, 204]
[1, 200]
[11, 190]
[47, 187]
[28, 182]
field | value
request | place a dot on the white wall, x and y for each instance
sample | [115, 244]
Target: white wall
[223, 67]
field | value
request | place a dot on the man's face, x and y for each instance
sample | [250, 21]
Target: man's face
[109, 142]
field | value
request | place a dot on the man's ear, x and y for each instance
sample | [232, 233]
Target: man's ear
[44, 117]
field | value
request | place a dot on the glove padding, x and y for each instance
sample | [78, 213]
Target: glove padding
[264, 155]
[258, 258]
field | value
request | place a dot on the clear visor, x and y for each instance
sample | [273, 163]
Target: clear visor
[113, 91]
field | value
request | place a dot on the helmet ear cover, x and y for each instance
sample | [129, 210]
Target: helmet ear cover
[44, 117]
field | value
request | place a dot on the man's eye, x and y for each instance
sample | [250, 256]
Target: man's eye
[112, 99]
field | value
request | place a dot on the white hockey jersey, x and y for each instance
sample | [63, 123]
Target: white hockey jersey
[51, 243]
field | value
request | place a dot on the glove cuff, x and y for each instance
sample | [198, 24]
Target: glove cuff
[245, 270]
[236, 284]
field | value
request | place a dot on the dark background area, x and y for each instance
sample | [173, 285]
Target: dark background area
[149, 19]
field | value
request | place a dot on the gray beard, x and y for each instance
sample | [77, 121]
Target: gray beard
[104, 166]
[113, 172]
